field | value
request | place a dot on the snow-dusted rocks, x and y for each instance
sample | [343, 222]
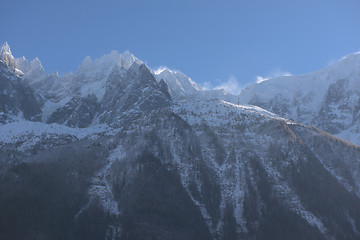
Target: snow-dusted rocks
[179, 84]
[124, 92]
[181, 87]
[17, 99]
[7, 59]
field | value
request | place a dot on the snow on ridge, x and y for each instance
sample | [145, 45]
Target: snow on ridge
[179, 84]
[218, 113]
[311, 98]
[92, 75]
[5, 49]
[251, 108]
[15, 131]
[181, 87]
[108, 61]
[8, 59]
[160, 70]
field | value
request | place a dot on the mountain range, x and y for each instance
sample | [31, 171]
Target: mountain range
[117, 150]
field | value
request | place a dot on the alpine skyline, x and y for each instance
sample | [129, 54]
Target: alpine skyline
[225, 44]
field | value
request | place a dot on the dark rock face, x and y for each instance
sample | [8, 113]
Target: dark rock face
[78, 112]
[16, 98]
[136, 91]
[154, 202]
[133, 92]
[338, 100]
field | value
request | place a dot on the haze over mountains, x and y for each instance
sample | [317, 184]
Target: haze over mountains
[119, 151]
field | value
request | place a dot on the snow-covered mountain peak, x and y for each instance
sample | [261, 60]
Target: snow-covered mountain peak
[87, 60]
[352, 57]
[136, 66]
[33, 70]
[8, 59]
[181, 87]
[179, 77]
[107, 62]
[36, 63]
[347, 66]
[92, 75]
[5, 49]
[179, 84]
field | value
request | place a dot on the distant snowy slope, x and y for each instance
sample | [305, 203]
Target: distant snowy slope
[179, 84]
[7, 59]
[182, 87]
[328, 99]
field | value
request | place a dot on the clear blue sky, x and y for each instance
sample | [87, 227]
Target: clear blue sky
[207, 40]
